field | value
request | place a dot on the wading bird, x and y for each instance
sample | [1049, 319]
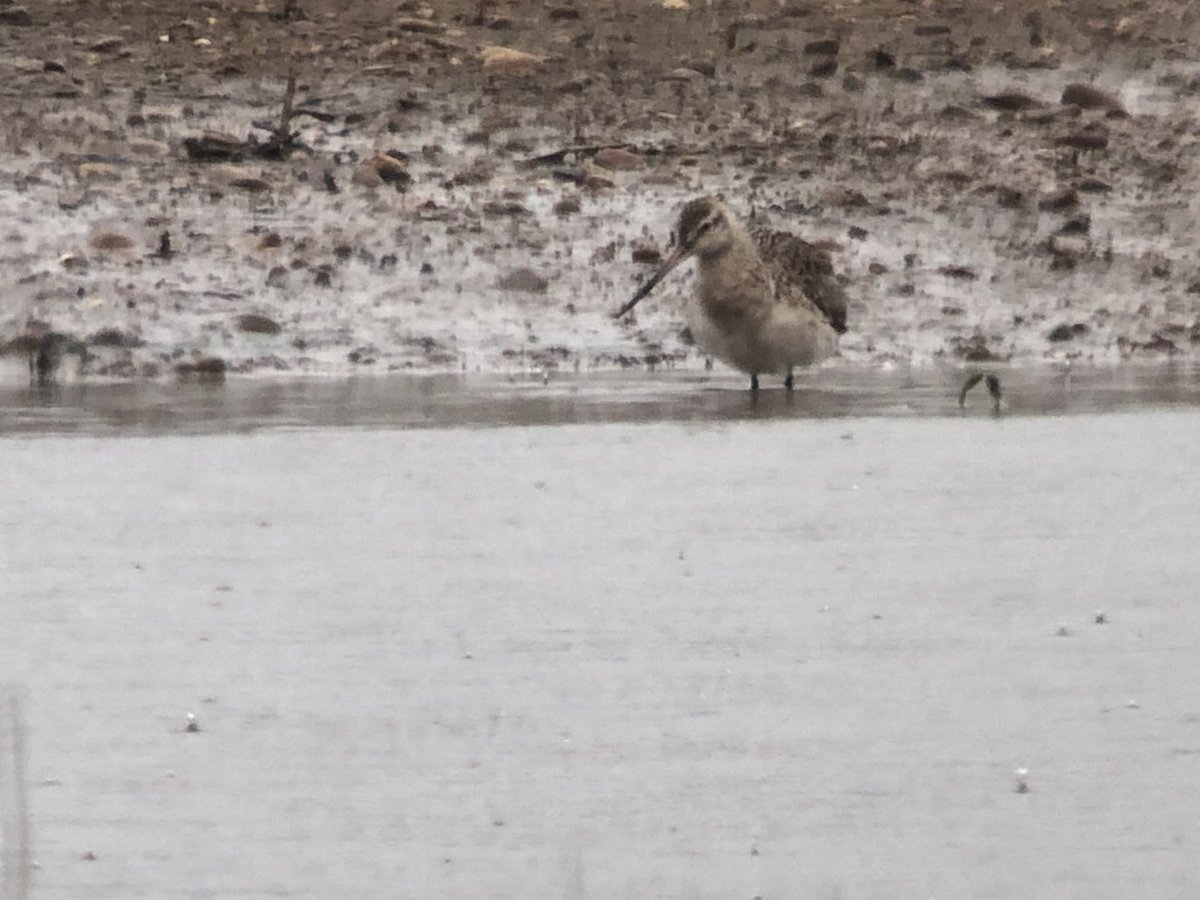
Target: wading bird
[766, 301]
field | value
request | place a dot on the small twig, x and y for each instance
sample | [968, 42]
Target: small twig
[282, 141]
[283, 133]
[557, 156]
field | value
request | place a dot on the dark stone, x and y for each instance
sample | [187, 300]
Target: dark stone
[1083, 140]
[1060, 200]
[206, 368]
[1011, 101]
[963, 273]
[881, 59]
[825, 69]
[213, 148]
[495, 209]
[1066, 332]
[114, 337]
[1087, 96]
[17, 16]
[256, 324]
[1009, 198]
[524, 279]
[1080, 224]
[827, 47]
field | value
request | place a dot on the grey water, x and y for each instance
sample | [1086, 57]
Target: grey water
[609, 637]
[447, 401]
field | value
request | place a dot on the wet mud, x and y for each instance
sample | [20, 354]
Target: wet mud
[475, 187]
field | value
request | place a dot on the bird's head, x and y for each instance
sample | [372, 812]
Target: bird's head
[706, 228]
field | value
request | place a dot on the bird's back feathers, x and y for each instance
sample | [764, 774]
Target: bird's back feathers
[800, 268]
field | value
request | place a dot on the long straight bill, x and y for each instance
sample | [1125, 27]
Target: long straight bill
[675, 259]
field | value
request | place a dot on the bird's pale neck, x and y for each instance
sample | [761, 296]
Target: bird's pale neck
[736, 252]
[731, 272]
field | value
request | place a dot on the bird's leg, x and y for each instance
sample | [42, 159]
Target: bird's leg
[789, 382]
[993, 386]
[754, 383]
[45, 365]
[973, 379]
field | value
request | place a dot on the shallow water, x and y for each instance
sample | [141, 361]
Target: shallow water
[447, 401]
[698, 648]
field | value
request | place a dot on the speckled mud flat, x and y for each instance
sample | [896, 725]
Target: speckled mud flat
[995, 181]
[720, 655]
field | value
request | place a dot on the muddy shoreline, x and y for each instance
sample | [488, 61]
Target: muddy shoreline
[994, 186]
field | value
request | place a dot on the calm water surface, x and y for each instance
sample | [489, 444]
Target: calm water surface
[677, 646]
[475, 401]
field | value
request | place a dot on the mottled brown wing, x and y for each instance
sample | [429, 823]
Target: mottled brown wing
[799, 268]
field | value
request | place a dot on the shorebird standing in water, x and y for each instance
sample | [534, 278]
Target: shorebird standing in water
[766, 301]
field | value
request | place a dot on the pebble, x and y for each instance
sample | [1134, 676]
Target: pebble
[497, 209]
[1087, 96]
[1009, 197]
[213, 146]
[617, 159]
[99, 171]
[109, 241]
[203, 368]
[507, 61]
[961, 273]
[1065, 332]
[418, 26]
[1059, 200]
[524, 279]
[594, 181]
[826, 47]
[251, 184]
[1083, 140]
[149, 147]
[253, 323]
[646, 252]
[1011, 101]
[17, 16]
[567, 206]
[114, 337]
[108, 44]
[391, 170]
